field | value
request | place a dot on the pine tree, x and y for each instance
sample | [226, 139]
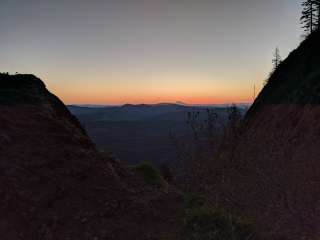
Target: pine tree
[309, 18]
[317, 4]
[276, 59]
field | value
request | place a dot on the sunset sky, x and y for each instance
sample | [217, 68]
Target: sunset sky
[147, 51]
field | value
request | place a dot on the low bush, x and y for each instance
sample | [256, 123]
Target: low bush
[151, 175]
[204, 222]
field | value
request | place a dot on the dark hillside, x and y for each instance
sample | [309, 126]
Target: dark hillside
[55, 185]
[273, 172]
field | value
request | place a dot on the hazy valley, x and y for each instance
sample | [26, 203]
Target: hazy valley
[138, 133]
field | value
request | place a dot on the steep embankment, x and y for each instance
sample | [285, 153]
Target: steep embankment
[274, 172]
[55, 185]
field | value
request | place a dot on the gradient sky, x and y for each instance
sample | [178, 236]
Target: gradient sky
[147, 51]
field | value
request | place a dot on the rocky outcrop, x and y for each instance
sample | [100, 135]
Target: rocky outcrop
[55, 185]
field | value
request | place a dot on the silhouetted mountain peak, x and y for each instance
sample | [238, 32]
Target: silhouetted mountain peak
[20, 88]
[128, 105]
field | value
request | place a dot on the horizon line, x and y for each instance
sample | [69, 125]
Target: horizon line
[160, 103]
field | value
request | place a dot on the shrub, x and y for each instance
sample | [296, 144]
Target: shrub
[151, 175]
[203, 222]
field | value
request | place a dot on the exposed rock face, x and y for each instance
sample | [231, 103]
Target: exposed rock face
[275, 168]
[53, 182]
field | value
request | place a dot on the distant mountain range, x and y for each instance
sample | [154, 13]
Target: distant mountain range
[240, 105]
[141, 112]
[137, 133]
[127, 112]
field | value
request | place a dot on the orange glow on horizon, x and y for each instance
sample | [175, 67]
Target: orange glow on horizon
[100, 100]
[186, 88]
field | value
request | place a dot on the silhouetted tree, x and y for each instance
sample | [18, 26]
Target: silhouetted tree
[310, 15]
[317, 3]
[194, 123]
[234, 122]
[210, 126]
[276, 59]
[194, 151]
